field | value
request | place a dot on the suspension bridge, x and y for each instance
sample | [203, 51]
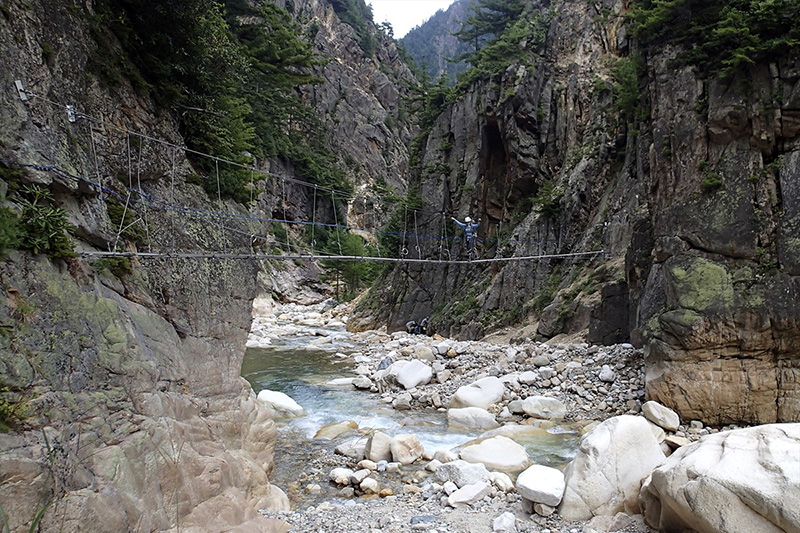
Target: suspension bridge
[239, 241]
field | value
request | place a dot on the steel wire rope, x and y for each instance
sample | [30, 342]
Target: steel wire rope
[403, 249]
[172, 199]
[130, 191]
[336, 220]
[416, 236]
[313, 221]
[139, 186]
[285, 217]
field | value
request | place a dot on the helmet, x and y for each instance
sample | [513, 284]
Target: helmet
[467, 219]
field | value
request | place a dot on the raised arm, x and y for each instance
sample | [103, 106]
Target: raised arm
[463, 225]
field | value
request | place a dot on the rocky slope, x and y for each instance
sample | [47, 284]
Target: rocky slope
[433, 46]
[704, 277]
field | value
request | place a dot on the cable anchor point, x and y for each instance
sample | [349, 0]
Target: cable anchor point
[23, 95]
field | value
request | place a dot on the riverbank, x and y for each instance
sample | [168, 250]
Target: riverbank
[592, 384]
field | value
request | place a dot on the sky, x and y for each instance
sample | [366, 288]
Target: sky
[405, 14]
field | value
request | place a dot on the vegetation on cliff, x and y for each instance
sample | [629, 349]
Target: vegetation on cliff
[229, 72]
[719, 37]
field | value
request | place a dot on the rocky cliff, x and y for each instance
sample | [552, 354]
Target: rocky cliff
[690, 195]
[121, 377]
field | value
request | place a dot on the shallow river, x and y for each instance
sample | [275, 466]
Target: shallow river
[291, 367]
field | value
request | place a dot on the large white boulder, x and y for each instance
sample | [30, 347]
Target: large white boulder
[471, 417]
[481, 393]
[606, 475]
[379, 447]
[469, 494]
[729, 482]
[544, 407]
[414, 374]
[498, 453]
[462, 473]
[406, 448]
[280, 404]
[661, 416]
[541, 484]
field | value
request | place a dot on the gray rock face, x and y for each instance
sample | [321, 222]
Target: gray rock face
[741, 480]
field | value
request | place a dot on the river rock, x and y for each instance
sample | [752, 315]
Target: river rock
[607, 374]
[332, 431]
[544, 407]
[469, 494]
[502, 481]
[406, 448]
[471, 417]
[733, 481]
[444, 455]
[462, 473]
[497, 453]
[362, 382]
[528, 378]
[370, 486]
[607, 472]
[340, 476]
[402, 402]
[359, 475]
[280, 403]
[505, 523]
[414, 374]
[424, 353]
[379, 447]
[661, 416]
[541, 484]
[352, 448]
[481, 393]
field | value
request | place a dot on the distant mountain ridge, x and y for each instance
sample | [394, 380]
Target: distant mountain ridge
[432, 44]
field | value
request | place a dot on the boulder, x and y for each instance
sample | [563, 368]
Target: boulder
[469, 494]
[606, 475]
[280, 403]
[498, 453]
[462, 473]
[505, 523]
[406, 448]
[340, 476]
[471, 417]
[424, 353]
[502, 481]
[733, 481]
[352, 448]
[544, 407]
[362, 382]
[541, 484]
[481, 393]
[661, 416]
[370, 486]
[414, 374]
[379, 447]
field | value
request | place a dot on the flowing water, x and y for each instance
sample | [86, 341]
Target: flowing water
[293, 366]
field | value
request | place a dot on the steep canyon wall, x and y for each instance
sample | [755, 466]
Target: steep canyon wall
[691, 197]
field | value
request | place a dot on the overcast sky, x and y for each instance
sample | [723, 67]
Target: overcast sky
[405, 14]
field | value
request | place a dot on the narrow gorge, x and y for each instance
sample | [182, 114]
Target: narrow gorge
[634, 166]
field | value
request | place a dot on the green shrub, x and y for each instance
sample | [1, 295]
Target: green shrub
[44, 226]
[548, 199]
[119, 266]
